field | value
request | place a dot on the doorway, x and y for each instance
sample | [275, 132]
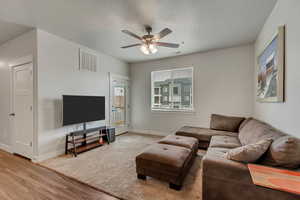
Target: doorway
[119, 103]
[22, 109]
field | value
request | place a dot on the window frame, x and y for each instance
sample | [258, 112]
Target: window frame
[171, 88]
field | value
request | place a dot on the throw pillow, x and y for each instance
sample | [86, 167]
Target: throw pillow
[284, 152]
[249, 153]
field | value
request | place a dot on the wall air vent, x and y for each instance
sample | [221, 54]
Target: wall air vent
[87, 61]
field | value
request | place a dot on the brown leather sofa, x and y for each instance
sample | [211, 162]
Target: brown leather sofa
[224, 179]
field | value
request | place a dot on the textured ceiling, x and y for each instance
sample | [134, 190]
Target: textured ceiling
[199, 25]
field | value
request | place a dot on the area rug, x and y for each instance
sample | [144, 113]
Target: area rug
[111, 168]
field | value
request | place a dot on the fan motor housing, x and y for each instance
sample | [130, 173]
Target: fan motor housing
[148, 29]
[148, 37]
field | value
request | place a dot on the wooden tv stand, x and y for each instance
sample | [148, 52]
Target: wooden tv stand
[84, 140]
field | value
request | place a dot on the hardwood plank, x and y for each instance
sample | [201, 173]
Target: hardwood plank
[21, 179]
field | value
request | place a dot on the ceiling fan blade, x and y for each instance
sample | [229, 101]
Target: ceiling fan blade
[132, 34]
[133, 45]
[163, 33]
[164, 44]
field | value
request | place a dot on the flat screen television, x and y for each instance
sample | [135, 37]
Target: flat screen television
[81, 109]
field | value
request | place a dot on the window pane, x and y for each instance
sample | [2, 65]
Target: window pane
[172, 89]
[175, 91]
[119, 98]
[187, 98]
[166, 99]
[156, 91]
[182, 79]
[165, 89]
[162, 80]
[156, 99]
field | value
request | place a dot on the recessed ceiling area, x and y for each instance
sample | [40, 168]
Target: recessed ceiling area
[10, 31]
[198, 25]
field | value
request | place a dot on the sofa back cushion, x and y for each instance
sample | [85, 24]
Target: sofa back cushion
[244, 123]
[255, 130]
[225, 123]
[284, 152]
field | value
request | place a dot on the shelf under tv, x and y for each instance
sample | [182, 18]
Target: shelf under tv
[89, 146]
[87, 139]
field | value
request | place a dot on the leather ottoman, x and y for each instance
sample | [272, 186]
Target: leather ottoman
[165, 162]
[182, 141]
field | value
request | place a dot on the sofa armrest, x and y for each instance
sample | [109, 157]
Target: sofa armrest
[222, 168]
[226, 179]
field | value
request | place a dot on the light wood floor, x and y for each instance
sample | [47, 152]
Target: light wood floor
[22, 180]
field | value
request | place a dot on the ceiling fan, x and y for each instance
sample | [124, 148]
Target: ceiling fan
[149, 42]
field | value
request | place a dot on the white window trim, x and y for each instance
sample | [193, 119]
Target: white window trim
[191, 110]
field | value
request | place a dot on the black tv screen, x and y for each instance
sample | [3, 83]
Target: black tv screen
[80, 109]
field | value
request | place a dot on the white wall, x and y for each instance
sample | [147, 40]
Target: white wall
[284, 116]
[58, 75]
[223, 83]
[21, 46]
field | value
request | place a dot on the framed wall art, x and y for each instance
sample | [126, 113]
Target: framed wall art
[271, 66]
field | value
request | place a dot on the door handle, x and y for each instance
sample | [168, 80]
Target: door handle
[12, 114]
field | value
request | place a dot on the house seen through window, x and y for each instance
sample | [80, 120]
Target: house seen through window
[172, 89]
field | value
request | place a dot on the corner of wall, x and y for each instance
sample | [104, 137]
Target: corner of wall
[47, 156]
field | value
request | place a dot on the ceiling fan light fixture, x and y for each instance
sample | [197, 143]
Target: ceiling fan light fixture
[152, 48]
[144, 49]
[148, 49]
[149, 42]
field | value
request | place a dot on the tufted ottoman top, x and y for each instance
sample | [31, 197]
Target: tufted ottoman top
[182, 141]
[164, 157]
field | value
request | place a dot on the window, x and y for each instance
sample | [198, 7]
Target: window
[157, 96]
[187, 98]
[172, 90]
[157, 91]
[165, 89]
[166, 98]
[175, 90]
[186, 89]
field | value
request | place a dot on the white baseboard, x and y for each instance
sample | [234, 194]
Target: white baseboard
[150, 132]
[6, 147]
[47, 156]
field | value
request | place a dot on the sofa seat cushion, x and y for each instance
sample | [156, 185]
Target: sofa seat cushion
[163, 157]
[216, 165]
[188, 142]
[225, 123]
[224, 141]
[220, 152]
[202, 134]
[255, 130]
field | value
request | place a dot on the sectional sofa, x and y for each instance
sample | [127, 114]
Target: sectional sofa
[225, 179]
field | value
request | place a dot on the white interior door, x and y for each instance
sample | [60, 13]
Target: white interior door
[119, 103]
[23, 110]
